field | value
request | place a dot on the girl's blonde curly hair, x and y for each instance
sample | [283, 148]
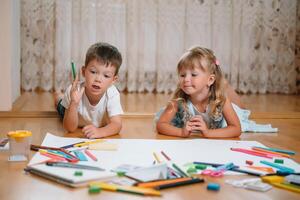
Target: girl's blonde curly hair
[204, 59]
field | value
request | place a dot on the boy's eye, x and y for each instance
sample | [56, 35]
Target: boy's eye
[182, 75]
[194, 74]
[106, 76]
[93, 71]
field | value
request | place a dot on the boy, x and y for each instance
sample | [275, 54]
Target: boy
[87, 104]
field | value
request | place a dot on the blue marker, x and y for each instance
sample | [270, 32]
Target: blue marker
[280, 167]
[227, 166]
[80, 156]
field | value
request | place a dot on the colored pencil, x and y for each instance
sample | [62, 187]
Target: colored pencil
[272, 152]
[254, 153]
[37, 147]
[76, 166]
[127, 189]
[280, 167]
[165, 155]
[153, 184]
[234, 169]
[88, 142]
[57, 158]
[180, 183]
[70, 145]
[177, 168]
[279, 150]
[156, 157]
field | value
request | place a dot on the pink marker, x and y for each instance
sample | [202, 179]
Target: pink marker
[87, 152]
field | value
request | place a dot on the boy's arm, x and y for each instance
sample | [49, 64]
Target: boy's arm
[113, 127]
[233, 128]
[70, 121]
[164, 125]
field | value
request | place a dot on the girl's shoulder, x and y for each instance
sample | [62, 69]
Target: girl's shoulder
[175, 104]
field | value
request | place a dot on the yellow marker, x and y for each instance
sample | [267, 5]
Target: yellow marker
[127, 189]
[278, 181]
[156, 157]
[88, 142]
[43, 151]
[272, 179]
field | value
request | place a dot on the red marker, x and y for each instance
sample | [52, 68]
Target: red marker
[87, 152]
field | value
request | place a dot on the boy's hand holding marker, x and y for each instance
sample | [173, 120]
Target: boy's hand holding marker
[76, 91]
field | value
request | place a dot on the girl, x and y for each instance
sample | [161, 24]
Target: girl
[199, 103]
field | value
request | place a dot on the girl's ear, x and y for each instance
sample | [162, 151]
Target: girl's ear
[211, 79]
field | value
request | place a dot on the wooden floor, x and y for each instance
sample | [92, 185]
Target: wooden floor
[150, 103]
[36, 112]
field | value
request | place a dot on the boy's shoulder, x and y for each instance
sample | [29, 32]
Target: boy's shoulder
[112, 91]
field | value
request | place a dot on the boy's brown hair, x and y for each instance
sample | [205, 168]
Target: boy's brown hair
[104, 53]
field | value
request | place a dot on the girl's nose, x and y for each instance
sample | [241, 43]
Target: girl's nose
[187, 78]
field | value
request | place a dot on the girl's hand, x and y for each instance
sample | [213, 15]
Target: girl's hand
[186, 130]
[90, 131]
[198, 124]
[76, 92]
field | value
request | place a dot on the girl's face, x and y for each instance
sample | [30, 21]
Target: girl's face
[195, 81]
[98, 78]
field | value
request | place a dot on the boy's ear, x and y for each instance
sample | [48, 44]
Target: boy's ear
[83, 71]
[211, 79]
[116, 79]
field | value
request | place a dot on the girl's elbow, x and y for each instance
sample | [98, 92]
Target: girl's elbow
[238, 131]
[159, 128]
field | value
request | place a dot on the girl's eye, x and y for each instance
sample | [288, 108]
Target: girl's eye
[107, 76]
[194, 74]
[93, 72]
[182, 75]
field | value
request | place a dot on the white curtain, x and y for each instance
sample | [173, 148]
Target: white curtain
[254, 40]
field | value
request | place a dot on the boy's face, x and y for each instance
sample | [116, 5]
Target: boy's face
[98, 77]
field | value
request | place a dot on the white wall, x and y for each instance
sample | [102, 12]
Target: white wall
[9, 53]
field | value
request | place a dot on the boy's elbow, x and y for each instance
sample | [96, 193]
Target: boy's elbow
[69, 128]
[119, 128]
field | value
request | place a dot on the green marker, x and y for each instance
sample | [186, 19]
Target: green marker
[73, 70]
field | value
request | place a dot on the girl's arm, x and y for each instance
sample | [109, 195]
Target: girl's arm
[164, 126]
[233, 128]
[113, 127]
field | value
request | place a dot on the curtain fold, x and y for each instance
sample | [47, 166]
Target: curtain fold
[254, 40]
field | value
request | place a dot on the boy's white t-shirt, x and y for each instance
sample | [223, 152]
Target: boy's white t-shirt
[88, 114]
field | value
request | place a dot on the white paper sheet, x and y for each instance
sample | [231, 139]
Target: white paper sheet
[140, 152]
